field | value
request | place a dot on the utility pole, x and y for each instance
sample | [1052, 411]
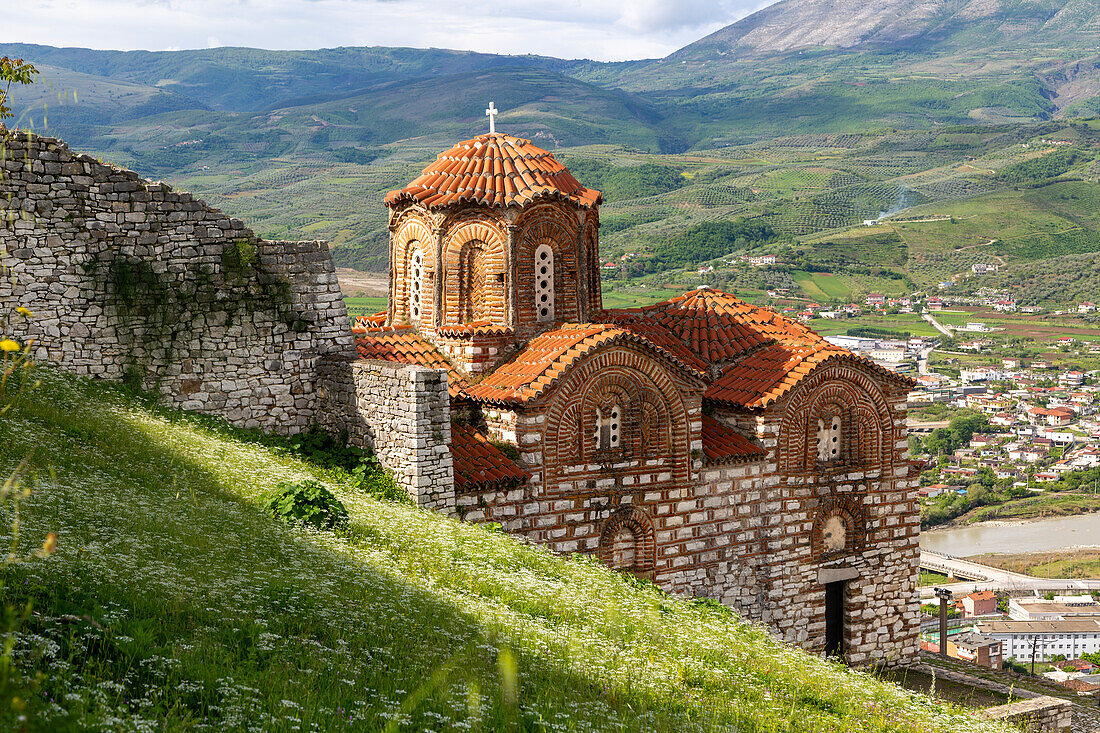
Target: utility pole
[944, 595]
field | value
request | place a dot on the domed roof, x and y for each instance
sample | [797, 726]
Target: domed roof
[494, 170]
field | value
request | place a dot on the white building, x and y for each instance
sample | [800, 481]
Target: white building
[1040, 609]
[1045, 638]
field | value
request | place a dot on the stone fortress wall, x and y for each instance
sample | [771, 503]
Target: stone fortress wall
[128, 279]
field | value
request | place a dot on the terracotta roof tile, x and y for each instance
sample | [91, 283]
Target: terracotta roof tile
[478, 464]
[406, 346]
[764, 376]
[723, 444]
[548, 356]
[494, 170]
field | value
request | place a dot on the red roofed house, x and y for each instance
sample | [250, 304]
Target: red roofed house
[979, 604]
[715, 447]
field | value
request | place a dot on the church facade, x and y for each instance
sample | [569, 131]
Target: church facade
[712, 446]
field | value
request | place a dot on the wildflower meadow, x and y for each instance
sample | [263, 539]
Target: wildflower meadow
[173, 600]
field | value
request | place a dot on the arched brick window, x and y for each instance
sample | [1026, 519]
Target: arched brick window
[840, 527]
[416, 285]
[471, 282]
[628, 543]
[544, 283]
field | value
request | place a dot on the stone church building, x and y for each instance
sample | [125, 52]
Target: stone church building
[717, 448]
[714, 447]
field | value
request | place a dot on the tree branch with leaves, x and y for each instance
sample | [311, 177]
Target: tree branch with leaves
[13, 71]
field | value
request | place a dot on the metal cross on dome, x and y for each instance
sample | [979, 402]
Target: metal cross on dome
[491, 113]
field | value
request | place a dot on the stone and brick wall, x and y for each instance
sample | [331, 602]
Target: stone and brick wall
[745, 533]
[129, 279]
[402, 412]
[478, 266]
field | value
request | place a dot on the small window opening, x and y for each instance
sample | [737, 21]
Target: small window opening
[828, 439]
[607, 430]
[544, 283]
[416, 284]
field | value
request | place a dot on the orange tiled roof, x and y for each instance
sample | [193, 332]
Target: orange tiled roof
[495, 170]
[764, 376]
[723, 444]
[364, 322]
[406, 346]
[548, 356]
[479, 464]
[717, 326]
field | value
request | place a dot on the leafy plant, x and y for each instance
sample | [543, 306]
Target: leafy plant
[13, 71]
[307, 502]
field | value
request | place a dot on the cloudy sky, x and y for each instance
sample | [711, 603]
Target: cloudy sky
[601, 29]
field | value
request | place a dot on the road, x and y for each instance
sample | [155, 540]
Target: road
[936, 324]
[990, 578]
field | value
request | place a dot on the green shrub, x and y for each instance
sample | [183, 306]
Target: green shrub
[308, 502]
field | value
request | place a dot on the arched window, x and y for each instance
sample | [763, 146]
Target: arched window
[608, 426]
[471, 284]
[544, 283]
[416, 285]
[828, 439]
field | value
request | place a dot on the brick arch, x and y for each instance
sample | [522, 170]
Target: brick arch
[638, 523]
[615, 387]
[474, 274]
[571, 409]
[547, 225]
[867, 425]
[412, 234]
[852, 514]
[654, 436]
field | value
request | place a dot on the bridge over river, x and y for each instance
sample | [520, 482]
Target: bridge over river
[978, 577]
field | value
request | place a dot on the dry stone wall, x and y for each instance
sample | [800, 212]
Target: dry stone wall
[128, 279]
[400, 411]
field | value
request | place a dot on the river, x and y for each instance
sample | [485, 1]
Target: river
[1033, 536]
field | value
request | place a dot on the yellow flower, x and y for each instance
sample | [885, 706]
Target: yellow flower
[50, 544]
[8, 345]
[24, 312]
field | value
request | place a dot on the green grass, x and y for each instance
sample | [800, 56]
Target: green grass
[822, 285]
[930, 577]
[174, 603]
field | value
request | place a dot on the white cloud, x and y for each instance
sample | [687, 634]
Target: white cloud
[600, 29]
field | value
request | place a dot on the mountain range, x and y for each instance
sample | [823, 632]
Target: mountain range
[304, 143]
[797, 65]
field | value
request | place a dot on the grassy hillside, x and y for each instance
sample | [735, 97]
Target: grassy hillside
[173, 602]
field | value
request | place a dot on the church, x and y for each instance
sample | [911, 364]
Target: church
[714, 447]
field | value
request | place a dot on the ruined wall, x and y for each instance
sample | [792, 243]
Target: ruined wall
[1038, 715]
[400, 411]
[128, 279]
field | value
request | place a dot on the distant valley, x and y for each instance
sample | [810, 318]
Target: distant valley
[929, 112]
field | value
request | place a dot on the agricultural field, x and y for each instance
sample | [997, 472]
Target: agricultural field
[365, 306]
[850, 214]
[905, 322]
